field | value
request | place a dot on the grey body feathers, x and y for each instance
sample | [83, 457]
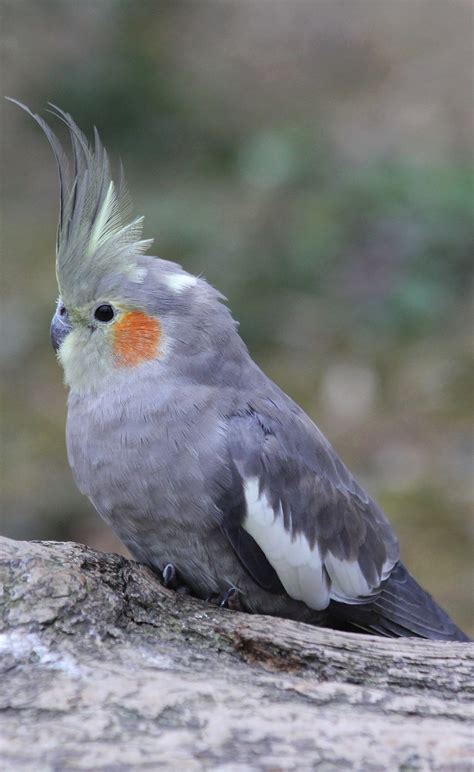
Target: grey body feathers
[163, 455]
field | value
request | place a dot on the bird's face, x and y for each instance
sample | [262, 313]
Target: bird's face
[119, 310]
[157, 317]
[103, 338]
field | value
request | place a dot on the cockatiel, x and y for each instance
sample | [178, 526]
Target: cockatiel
[203, 467]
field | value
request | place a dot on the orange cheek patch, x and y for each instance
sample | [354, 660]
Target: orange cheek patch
[136, 339]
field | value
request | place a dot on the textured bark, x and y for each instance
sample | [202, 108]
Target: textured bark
[103, 668]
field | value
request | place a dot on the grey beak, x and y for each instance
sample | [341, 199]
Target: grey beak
[60, 327]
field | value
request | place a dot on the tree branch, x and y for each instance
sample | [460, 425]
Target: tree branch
[103, 668]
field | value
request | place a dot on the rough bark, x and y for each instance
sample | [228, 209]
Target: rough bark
[103, 668]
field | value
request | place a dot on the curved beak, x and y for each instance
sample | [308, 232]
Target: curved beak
[60, 327]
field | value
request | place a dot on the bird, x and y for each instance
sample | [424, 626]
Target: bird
[203, 467]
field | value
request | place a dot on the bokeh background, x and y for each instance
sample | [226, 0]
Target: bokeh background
[313, 161]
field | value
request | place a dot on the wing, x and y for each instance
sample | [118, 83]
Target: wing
[322, 536]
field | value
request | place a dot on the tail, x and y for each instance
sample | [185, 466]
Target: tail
[403, 609]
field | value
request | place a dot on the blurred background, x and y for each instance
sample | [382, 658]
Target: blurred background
[312, 160]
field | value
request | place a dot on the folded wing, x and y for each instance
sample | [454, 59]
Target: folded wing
[324, 538]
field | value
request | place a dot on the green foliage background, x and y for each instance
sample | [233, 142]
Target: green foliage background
[313, 161]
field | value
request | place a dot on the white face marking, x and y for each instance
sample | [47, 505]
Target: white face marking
[299, 566]
[180, 281]
[138, 275]
[87, 362]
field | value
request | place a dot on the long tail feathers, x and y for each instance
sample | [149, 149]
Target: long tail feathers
[403, 609]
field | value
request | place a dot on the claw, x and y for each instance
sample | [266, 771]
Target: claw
[228, 599]
[173, 580]
[231, 599]
[170, 576]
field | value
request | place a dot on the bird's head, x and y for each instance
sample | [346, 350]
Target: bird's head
[120, 311]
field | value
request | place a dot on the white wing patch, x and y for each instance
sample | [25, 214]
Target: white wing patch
[302, 572]
[347, 580]
[180, 281]
[299, 567]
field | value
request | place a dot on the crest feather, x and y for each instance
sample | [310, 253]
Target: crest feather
[96, 234]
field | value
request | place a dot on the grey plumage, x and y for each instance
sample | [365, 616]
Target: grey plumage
[191, 454]
[181, 440]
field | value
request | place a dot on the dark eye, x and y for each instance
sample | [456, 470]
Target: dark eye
[104, 313]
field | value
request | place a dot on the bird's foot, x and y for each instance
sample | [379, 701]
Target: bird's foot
[228, 599]
[172, 580]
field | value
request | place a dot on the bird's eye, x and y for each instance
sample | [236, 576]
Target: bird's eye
[104, 313]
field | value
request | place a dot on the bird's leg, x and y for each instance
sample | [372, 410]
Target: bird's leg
[172, 580]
